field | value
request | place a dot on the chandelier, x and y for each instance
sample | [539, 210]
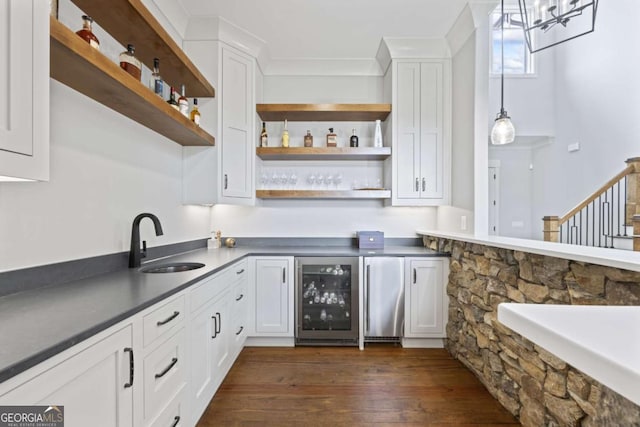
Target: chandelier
[548, 23]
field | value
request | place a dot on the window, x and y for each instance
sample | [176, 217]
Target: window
[517, 59]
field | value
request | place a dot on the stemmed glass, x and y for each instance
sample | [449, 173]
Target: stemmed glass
[328, 180]
[264, 179]
[311, 179]
[337, 179]
[293, 179]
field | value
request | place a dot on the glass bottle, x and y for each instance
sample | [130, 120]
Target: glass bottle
[308, 139]
[86, 33]
[353, 141]
[130, 63]
[172, 99]
[332, 139]
[183, 103]
[285, 135]
[195, 113]
[155, 82]
[264, 138]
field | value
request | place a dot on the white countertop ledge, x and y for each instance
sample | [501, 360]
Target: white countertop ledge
[601, 341]
[617, 258]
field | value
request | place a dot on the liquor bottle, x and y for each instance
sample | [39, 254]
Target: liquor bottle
[172, 99]
[86, 33]
[195, 113]
[308, 139]
[130, 63]
[353, 141]
[155, 83]
[264, 138]
[332, 139]
[183, 103]
[285, 135]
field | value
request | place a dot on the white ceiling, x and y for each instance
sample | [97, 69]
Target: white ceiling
[295, 29]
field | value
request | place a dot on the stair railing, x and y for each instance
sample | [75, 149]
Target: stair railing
[604, 215]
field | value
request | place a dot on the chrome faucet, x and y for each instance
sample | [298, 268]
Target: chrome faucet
[135, 254]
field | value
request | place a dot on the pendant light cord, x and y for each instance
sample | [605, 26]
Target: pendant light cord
[502, 58]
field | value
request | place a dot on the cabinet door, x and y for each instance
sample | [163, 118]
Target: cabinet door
[91, 385]
[424, 303]
[273, 308]
[431, 130]
[222, 337]
[201, 336]
[237, 125]
[407, 152]
[24, 77]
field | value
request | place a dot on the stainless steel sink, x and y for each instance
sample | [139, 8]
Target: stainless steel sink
[175, 267]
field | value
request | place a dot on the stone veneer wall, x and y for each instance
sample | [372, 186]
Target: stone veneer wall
[534, 385]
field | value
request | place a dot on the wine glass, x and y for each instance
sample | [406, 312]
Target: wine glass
[311, 178]
[274, 179]
[337, 180]
[293, 179]
[264, 179]
[328, 180]
[319, 179]
[284, 178]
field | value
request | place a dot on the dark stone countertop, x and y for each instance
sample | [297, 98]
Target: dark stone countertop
[38, 324]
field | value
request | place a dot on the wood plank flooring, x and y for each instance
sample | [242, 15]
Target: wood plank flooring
[325, 386]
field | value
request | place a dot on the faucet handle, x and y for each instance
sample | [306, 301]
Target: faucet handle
[143, 254]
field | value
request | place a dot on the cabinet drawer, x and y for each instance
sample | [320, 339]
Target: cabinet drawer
[165, 374]
[162, 320]
[240, 293]
[210, 289]
[174, 414]
[240, 270]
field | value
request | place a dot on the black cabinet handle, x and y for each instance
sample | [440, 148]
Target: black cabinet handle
[218, 324]
[176, 420]
[240, 272]
[168, 368]
[130, 351]
[240, 297]
[215, 327]
[284, 275]
[240, 331]
[226, 181]
[417, 185]
[168, 319]
[424, 184]
[415, 276]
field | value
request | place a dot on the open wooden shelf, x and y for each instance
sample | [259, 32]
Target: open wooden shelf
[76, 64]
[129, 21]
[323, 153]
[323, 194]
[323, 112]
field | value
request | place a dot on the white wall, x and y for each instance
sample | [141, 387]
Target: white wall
[105, 169]
[597, 105]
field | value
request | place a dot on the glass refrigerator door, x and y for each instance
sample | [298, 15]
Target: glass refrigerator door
[327, 298]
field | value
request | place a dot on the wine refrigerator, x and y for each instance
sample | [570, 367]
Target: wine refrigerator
[327, 301]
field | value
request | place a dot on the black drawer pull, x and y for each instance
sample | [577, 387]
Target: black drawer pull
[215, 327]
[240, 331]
[218, 324]
[240, 272]
[240, 297]
[176, 420]
[168, 368]
[130, 351]
[168, 319]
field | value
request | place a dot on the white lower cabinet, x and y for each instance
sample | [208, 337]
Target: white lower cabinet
[95, 384]
[271, 295]
[425, 298]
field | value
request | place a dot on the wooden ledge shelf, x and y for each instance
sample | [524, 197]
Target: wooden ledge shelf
[323, 153]
[83, 68]
[129, 21]
[323, 112]
[326, 194]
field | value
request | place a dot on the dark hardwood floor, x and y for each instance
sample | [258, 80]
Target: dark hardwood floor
[384, 385]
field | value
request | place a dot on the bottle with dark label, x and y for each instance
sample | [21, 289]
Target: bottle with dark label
[87, 34]
[195, 113]
[183, 103]
[172, 100]
[308, 139]
[130, 63]
[155, 82]
[353, 141]
[264, 138]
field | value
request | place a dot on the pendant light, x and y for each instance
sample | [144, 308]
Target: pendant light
[503, 131]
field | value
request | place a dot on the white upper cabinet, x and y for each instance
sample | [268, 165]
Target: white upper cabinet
[238, 106]
[24, 77]
[421, 134]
